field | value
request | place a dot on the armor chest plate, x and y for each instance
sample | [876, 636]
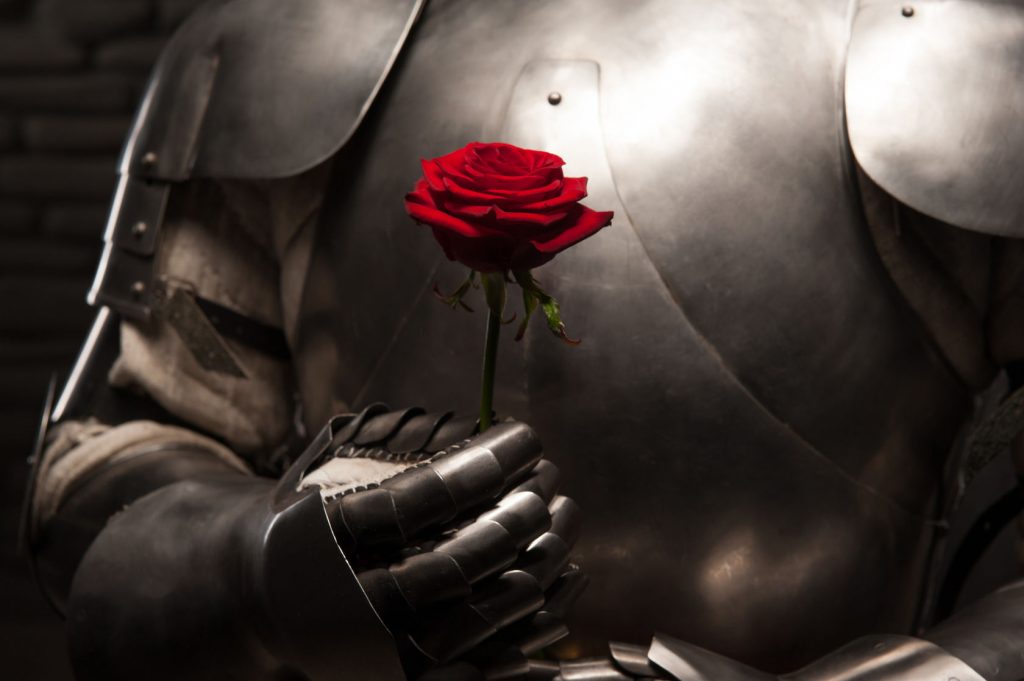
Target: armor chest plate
[753, 425]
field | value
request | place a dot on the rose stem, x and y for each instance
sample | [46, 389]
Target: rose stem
[490, 360]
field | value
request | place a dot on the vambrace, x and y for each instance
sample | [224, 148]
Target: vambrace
[208, 577]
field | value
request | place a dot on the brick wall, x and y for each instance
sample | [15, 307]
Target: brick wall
[71, 72]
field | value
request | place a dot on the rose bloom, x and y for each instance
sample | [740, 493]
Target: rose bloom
[496, 207]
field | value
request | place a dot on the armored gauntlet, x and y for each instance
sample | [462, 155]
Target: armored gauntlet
[444, 545]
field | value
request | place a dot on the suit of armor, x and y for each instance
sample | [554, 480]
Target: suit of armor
[814, 268]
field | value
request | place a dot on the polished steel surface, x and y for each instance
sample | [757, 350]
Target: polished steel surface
[987, 634]
[754, 425]
[632, 658]
[85, 370]
[233, 97]
[254, 594]
[262, 88]
[871, 658]
[686, 662]
[886, 658]
[934, 104]
[28, 528]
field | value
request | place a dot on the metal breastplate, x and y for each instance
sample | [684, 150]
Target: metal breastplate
[754, 425]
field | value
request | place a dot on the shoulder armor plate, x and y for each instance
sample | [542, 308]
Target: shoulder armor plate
[264, 88]
[935, 101]
[245, 89]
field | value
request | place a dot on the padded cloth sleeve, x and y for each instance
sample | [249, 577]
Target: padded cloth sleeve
[222, 245]
[80, 448]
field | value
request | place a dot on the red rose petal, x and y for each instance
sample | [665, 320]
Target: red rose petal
[495, 206]
[432, 216]
[493, 180]
[587, 223]
[468, 195]
[551, 189]
[490, 159]
[481, 173]
[573, 189]
[503, 197]
[507, 175]
[455, 168]
[486, 160]
[543, 219]
[468, 210]
[455, 159]
[501, 155]
[484, 254]
[420, 194]
[433, 174]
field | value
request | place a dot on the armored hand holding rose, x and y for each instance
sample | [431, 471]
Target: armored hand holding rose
[446, 540]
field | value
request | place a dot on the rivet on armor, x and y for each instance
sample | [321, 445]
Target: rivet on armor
[908, 11]
[139, 229]
[555, 98]
[138, 288]
[149, 159]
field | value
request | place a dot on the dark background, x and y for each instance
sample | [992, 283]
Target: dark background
[71, 73]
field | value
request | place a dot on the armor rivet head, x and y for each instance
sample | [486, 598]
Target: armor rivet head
[554, 98]
[138, 288]
[149, 160]
[907, 11]
[138, 229]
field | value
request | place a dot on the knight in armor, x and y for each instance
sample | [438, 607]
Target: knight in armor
[815, 268]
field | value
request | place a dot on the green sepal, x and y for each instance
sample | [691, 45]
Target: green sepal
[456, 298]
[529, 306]
[548, 304]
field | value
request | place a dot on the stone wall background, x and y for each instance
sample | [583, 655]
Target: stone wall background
[71, 73]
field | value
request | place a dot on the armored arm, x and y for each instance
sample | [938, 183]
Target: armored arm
[216, 573]
[169, 520]
[393, 544]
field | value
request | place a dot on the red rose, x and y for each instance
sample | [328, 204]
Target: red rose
[496, 207]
